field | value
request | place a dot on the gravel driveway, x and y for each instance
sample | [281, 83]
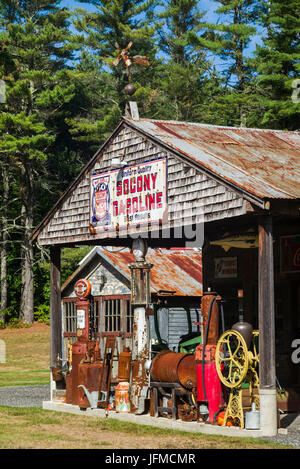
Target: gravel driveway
[24, 396]
[33, 396]
[290, 423]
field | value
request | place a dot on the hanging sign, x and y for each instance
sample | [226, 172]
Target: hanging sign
[133, 195]
[226, 267]
[290, 253]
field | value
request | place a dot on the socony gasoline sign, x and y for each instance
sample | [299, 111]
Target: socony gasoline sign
[133, 195]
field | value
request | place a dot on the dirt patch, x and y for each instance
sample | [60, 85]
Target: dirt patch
[35, 328]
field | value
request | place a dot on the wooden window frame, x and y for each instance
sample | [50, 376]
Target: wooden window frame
[101, 315]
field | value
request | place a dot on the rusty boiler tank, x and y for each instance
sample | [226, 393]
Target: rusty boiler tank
[175, 368]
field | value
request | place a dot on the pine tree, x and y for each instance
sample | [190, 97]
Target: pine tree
[180, 17]
[34, 51]
[228, 40]
[187, 80]
[277, 63]
[112, 23]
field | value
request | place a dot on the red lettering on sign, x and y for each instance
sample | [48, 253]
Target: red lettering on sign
[158, 200]
[142, 209]
[128, 205]
[139, 183]
[153, 176]
[135, 205]
[151, 201]
[115, 209]
[147, 182]
[132, 185]
[122, 207]
[119, 188]
[126, 186]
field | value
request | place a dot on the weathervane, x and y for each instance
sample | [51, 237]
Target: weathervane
[123, 54]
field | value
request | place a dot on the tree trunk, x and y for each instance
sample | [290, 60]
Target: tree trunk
[27, 289]
[4, 239]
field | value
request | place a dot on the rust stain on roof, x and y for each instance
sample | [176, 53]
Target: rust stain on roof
[265, 163]
[179, 271]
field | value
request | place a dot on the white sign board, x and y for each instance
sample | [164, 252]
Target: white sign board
[130, 196]
[80, 319]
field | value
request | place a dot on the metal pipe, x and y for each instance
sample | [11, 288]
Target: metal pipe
[222, 316]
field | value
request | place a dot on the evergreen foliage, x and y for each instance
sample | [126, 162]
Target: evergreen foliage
[228, 40]
[277, 64]
[35, 46]
[114, 22]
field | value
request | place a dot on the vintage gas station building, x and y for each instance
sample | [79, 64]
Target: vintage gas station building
[233, 192]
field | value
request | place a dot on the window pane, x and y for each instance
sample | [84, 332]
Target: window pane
[112, 313]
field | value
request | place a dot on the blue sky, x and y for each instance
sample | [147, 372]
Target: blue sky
[209, 6]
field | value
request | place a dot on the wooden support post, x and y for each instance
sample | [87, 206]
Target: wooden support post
[266, 318]
[55, 306]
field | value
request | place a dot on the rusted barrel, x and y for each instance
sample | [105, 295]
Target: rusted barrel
[173, 367]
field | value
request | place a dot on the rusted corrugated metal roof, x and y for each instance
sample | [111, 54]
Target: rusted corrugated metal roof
[178, 271]
[265, 163]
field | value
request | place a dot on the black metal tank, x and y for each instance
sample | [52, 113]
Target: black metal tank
[245, 329]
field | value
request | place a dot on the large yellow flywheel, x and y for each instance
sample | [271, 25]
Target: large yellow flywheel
[235, 365]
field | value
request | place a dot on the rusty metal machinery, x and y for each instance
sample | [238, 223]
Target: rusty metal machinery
[173, 367]
[173, 382]
[236, 364]
[190, 380]
[86, 368]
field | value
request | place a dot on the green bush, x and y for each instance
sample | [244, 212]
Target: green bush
[17, 324]
[9, 313]
[42, 314]
[2, 324]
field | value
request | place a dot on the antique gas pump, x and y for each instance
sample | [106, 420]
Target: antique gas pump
[86, 368]
[209, 391]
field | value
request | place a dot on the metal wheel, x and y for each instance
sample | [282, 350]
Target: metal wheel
[232, 360]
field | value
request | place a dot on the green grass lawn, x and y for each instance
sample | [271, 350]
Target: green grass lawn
[27, 356]
[34, 428]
